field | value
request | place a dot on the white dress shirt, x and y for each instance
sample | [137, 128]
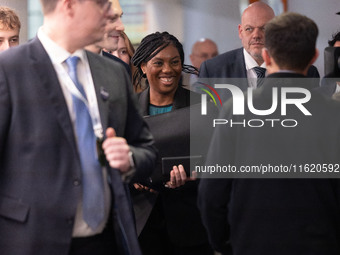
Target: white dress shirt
[250, 64]
[58, 56]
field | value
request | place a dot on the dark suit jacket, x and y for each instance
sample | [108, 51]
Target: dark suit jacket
[227, 65]
[232, 65]
[183, 222]
[274, 216]
[230, 68]
[39, 163]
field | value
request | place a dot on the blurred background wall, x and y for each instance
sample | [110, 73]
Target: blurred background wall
[190, 20]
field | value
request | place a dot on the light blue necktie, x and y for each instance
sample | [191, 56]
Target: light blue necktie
[93, 186]
[260, 72]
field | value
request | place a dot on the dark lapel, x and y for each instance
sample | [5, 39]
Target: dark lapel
[240, 64]
[114, 58]
[144, 99]
[43, 68]
[181, 99]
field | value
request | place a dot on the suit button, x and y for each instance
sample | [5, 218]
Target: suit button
[70, 222]
[76, 182]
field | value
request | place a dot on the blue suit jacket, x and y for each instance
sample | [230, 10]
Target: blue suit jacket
[39, 163]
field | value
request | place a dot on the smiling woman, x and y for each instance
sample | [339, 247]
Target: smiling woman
[163, 72]
[160, 59]
[170, 222]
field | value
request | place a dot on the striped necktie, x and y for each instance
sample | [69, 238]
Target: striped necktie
[260, 72]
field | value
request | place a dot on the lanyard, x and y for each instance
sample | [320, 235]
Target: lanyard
[93, 110]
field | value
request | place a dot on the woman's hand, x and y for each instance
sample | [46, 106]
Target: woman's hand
[178, 177]
[141, 187]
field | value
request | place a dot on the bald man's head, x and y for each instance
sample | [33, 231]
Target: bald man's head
[251, 29]
[202, 50]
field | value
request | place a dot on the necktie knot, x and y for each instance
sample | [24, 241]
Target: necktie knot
[260, 71]
[72, 63]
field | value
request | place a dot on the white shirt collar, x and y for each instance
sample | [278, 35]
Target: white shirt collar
[250, 62]
[57, 53]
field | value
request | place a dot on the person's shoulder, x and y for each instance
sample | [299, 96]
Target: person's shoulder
[238, 51]
[110, 56]
[19, 55]
[231, 53]
[96, 59]
[143, 94]
[118, 60]
[224, 58]
[17, 50]
[313, 72]
[190, 96]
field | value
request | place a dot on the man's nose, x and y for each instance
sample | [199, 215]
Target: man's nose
[4, 45]
[120, 25]
[258, 33]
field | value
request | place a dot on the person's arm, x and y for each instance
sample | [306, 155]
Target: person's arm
[313, 72]
[140, 141]
[214, 194]
[132, 149]
[117, 152]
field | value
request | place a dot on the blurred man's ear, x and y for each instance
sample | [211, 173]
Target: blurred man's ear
[240, 31]
[266, 57]
[316, 55]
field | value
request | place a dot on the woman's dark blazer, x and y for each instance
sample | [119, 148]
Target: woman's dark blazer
[181, 214]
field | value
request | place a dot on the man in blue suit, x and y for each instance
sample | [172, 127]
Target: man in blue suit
[46, 86]
[242, 62]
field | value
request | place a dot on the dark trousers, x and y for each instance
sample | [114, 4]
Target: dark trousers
[154, 239]
[101, 244]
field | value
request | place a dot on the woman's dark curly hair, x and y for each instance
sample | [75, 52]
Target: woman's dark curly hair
[150, 46]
